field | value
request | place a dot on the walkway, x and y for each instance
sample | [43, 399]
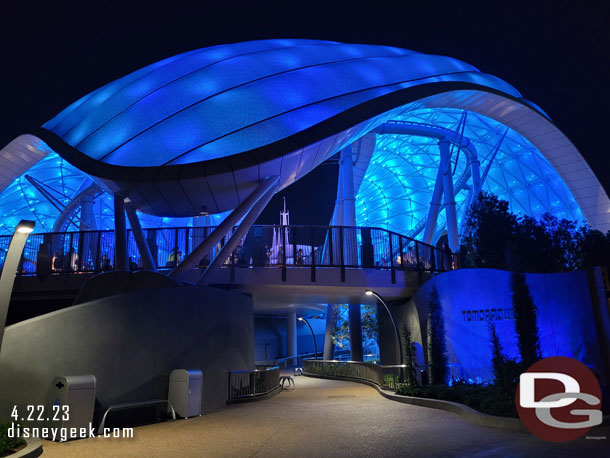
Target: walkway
[325, 418]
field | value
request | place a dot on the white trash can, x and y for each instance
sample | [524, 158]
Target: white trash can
[185, 391]
[71, 401]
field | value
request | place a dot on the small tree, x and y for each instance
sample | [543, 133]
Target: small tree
[489, 226]
[526, 323]
[437, 346]
[505, 370]
[411, 379]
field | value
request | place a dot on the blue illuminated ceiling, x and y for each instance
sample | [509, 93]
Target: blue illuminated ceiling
[21, 200]
[397, 188]
[224, 100]
[195, 133]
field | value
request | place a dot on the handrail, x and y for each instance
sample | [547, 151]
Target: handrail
[129, 405]
[244, 384]
[263, 246]
[387, 376]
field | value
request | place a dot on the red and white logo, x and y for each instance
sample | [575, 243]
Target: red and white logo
[558, 399]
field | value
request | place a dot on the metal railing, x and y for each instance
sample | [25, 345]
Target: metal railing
[385, 376]
[250, 384]
[265, 246]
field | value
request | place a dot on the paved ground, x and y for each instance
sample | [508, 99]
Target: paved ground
[323, 418]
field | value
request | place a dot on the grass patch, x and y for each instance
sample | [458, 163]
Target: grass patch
[489, 399]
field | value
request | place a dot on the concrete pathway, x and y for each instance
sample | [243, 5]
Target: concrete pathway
[326, 418]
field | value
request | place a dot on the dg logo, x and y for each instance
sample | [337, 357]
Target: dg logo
[558, 399]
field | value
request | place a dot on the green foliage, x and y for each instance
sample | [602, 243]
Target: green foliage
[594, 249]
[340, 336]
[369, 323]
[437, 346]
[496, 238]
[506, 370]
[8, 445]
[526, 322]
[489, 399]
[489, 227]
[409, 355]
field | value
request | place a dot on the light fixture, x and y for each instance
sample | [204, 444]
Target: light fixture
[25, 226]
[313, 336]
[369, 292]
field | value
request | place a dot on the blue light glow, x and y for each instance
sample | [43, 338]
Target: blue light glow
[397, 187]
[21, 200]
[230, 96]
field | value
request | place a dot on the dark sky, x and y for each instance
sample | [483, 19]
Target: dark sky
[556, 53]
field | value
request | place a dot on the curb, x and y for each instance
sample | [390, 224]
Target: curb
[468, 413]
[32, 449]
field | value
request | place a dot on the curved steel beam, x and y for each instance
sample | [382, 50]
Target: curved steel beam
[69, 210]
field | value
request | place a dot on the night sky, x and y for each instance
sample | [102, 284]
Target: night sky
[556, 53]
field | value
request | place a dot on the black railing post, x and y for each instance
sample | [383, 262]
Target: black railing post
[232, 268]
[392, 271]
[312, 257]
[70, 251]
[402, 261]
[330, 245]
[97, 262]
[176, 247]
[417, 254]
[186, 242]
[283, 260]
[80, 264]
[342, 254]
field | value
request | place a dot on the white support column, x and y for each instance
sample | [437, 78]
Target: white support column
[337, 218]
[435, 206]
[138, 234]
[120, 235]
[238, 235]
[291, 336]
[450, 213]
[347, 174]
[242, 209]
[350, 249]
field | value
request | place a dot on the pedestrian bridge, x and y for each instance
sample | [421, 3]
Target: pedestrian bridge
[277, 265]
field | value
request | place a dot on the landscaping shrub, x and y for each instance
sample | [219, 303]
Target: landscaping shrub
[8, 445]
[489, 399]
[437, 345]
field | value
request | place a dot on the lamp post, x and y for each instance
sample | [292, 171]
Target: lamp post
[373, 293]
[9, 270]
[313, 336]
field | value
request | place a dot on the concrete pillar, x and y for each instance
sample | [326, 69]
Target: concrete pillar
[291, 336]
[120, 235]
[386, 338]
[331, 323]
[355, 332]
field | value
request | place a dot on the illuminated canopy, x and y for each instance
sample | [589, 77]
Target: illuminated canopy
[195, 133]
